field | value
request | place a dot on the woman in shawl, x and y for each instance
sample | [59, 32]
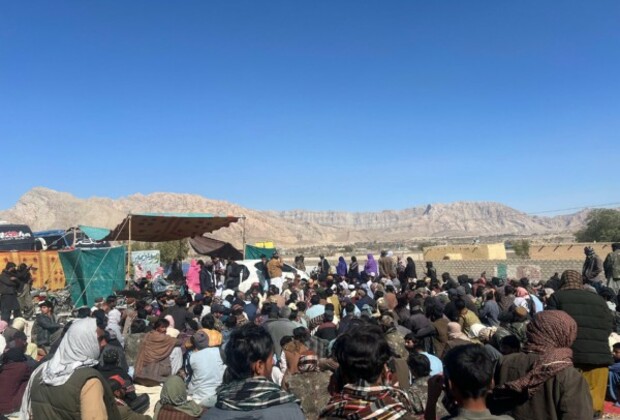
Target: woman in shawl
[193, 277]
[341, 268]
[158, 357]
[541, 382]
[370, 268]
[50, 393]
[173, 403]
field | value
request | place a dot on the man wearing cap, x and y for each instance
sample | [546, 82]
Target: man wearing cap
[205, 370]
[45, 326]
[8, 293]
[592, 266]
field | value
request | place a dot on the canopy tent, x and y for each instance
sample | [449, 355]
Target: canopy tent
[95, 233]
[162, 227]
[93, 273]
[214, 248]
[254, 252]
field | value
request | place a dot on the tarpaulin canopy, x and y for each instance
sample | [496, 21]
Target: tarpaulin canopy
[254, 252]
[93, 273]
[214, 248]
[161, 227]
[95, 233]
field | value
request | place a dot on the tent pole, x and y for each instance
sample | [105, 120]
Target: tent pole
[243, 237]
[129, 265]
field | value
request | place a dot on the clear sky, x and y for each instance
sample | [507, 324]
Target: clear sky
[324, 105]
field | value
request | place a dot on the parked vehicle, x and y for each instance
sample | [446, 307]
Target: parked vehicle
[58, 239]
[256, 275]
[15, 237]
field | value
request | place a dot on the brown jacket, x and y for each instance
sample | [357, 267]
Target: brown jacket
[566, 396]
[274, 268]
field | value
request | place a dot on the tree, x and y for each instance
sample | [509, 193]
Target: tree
[169, 251]
[602, 225]
[522, 248]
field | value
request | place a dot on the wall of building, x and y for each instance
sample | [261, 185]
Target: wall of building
[572, 251]
[466, 252]
[533, 269]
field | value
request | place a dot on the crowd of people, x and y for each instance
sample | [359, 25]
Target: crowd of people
[382, 340]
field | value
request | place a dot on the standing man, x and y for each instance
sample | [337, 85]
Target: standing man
[612, 268]
[8, 293]
[274, 268]
[594, 324]
[323, 267]
[262, 266]
[592, 267]
[219, 271]
[23, 289]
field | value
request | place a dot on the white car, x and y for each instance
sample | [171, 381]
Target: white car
[256, 275]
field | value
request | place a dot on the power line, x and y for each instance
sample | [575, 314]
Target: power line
[576, 208]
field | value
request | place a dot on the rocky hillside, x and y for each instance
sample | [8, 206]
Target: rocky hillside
[42, 208]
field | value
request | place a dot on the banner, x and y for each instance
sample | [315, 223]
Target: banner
[147, 260]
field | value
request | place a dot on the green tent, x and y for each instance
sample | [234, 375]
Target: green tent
[254, 252]
[93, 273]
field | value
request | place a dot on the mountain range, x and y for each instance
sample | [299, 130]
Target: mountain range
[43, 208]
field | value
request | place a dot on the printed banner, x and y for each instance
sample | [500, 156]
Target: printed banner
[146, 260]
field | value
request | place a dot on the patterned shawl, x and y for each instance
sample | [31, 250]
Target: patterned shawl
[550, 334]
[364, 401]
[252, 394]
[571, 279]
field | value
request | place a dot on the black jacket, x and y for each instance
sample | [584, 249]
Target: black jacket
[410, 270]
[8, 283]
[43, 328]
[594, 324]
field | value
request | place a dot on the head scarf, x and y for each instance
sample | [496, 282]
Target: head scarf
[570, 280]
[78, 349]
[522, 293]
[550, 334]
[174, 395]
[455, 332]
[3, 325]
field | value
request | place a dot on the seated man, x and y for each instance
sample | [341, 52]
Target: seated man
[468, 376]
[363, 387]
[205, 370]
[246, 392]
[45, 329]
[309, 384]
[158, 357]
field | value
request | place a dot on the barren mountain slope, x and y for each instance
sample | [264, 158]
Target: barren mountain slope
[43, 208]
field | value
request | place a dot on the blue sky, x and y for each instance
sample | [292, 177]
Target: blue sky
[340, 105]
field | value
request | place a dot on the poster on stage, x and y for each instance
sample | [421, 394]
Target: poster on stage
[146, 260]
